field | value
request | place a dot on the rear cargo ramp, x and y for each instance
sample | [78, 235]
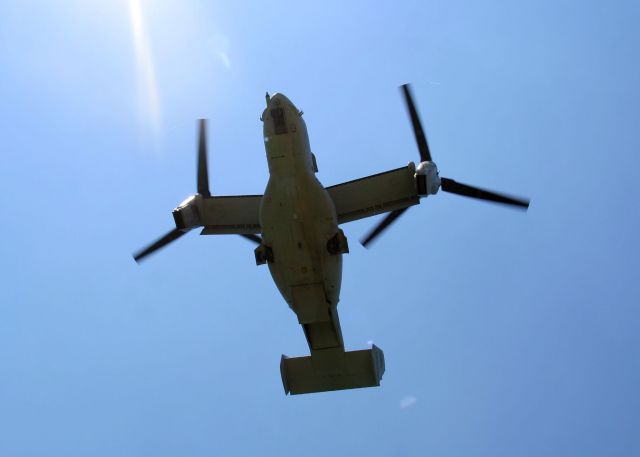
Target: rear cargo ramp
[332, 369]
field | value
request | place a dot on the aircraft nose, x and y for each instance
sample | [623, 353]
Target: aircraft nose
[280, 101]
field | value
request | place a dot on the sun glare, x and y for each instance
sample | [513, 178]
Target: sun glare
[148, 97]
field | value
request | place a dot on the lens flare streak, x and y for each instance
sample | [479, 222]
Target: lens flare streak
[149, 100]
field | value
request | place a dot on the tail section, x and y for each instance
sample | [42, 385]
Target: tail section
[332, 369]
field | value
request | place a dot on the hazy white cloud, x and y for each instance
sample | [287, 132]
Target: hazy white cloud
[219, 46]
[225, 59]
[408, 401]
[149, 99]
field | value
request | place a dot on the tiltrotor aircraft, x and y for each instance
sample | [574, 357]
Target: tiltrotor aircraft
[296, 224]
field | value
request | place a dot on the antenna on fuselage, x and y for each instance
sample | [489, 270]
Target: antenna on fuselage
[268, 98]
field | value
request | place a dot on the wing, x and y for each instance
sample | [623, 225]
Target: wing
[230, 215]
[364, 197]
[375, 194]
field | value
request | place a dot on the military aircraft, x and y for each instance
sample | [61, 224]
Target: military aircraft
[296, 224]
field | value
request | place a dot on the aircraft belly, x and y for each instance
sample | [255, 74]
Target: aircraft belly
[297, 219]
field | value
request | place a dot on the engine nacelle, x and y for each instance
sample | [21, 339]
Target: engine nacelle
[427, 178]
[187, 214]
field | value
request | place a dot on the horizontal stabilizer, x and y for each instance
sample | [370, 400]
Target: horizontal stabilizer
[331, 369]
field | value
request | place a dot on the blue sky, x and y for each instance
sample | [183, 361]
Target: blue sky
[504, 333]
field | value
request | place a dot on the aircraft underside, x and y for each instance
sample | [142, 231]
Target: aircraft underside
[296, 226]
[299, 224]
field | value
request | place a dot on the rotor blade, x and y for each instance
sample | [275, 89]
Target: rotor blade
[449, 185]
[162, 242]
[203, 174]
[386, 222]
[421, 138]
[251, 237]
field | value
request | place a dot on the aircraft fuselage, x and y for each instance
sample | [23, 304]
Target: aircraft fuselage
[299, 222]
